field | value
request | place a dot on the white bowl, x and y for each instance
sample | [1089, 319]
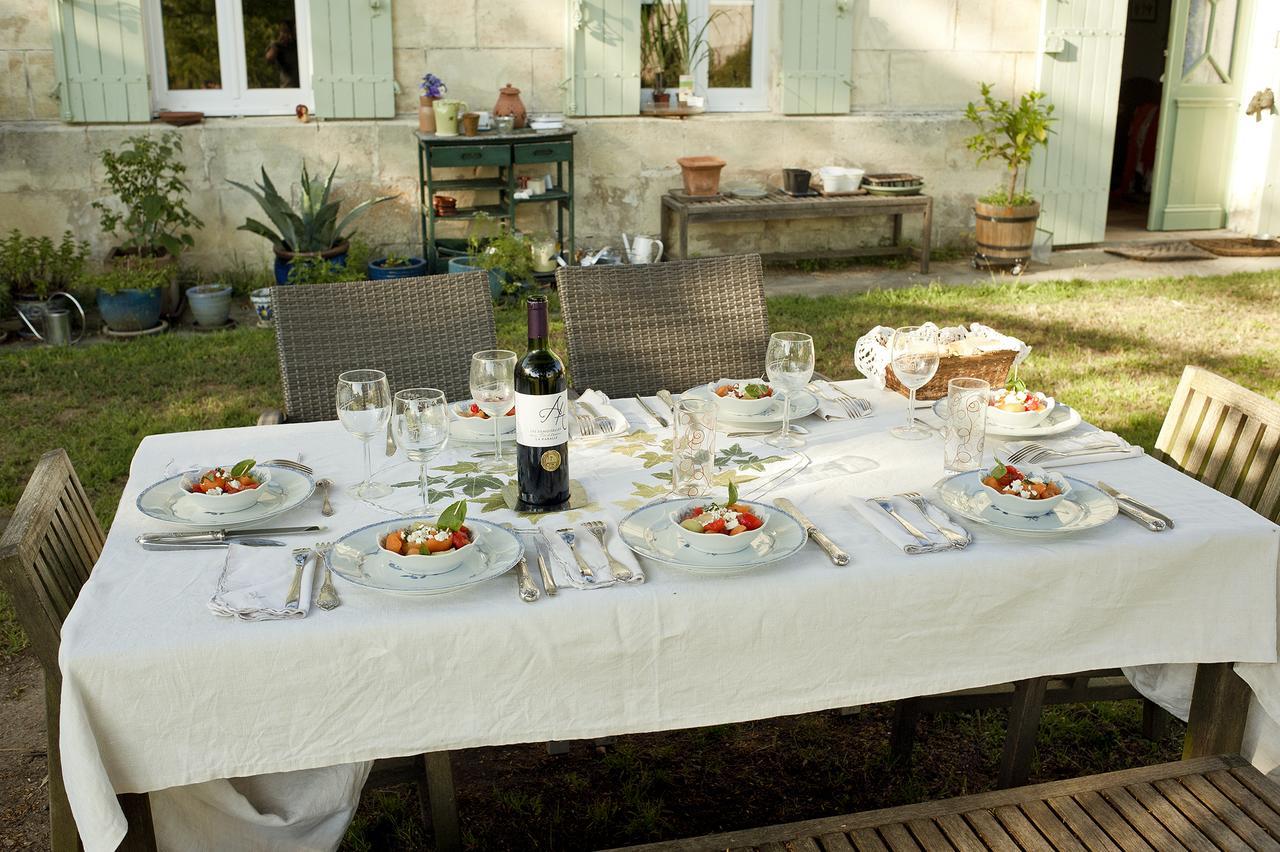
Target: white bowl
[840, 179]
[716, 544]
[735, 407]
[479, 428]
[1020, 419]
[425, 565]
[227, 502]
[1021, 506]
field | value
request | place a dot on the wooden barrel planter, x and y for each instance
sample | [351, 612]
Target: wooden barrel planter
[1005, 234]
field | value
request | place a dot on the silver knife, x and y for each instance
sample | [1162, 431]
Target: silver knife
[180, 544]
[662, 421]
[838, 556]
[524, 580]
[548, 582]
[216, 536]
[1140, 511]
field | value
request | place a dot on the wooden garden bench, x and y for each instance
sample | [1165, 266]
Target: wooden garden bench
[1205, 803]
[677, 213]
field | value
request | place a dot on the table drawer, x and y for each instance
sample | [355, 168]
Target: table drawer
[544, 152]
[471, 155]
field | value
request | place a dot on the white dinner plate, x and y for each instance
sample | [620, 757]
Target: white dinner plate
[650, 533]
[358, 558]
[1084, 508]
[803, 403]
[1063, 418]
[166, 501]
[476, 430]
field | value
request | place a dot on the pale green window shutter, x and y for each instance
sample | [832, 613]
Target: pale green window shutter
[351, 59]
[817, 56]
[100, 60]
[602, 62]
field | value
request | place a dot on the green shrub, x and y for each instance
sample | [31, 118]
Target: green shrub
[1010, 134]
[147, 179]
[135, 274]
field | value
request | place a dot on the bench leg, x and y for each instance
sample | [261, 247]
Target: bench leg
[444, 804]
[1024, 721]
[897, 229]
[684, 236]
[926, 237]
[1219, 705]
[664, 229]
[902, 738]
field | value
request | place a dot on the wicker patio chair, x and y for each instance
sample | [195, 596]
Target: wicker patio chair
[419, 331]
[637, 329]
[46, 553]
[1225, 436]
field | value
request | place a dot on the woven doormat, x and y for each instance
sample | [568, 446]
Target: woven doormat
[1241, 247]
[1162, 252]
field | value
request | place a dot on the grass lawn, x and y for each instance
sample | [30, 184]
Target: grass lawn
[1113, 350]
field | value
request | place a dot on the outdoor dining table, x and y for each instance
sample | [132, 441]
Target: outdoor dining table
[158, 692]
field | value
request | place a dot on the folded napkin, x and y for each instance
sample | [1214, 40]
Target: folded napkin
[1110, 447]
[598, 402]
[253, 585]
[588, 546]
[828, 408]
[890, 529]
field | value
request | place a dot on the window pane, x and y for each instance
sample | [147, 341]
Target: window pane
[1210, 40]
[271, 44]
[191, 43]
[729, 37]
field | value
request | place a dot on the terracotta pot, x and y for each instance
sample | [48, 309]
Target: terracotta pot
[426, 115]
[662, 100]
[509, 103]
[1005, 234]
[470, 123]
[701, 175]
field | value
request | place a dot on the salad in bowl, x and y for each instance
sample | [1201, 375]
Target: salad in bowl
[1027, 493]
[471, 422]
[720, 528]
[1015, 407]
[747, 397]
[425, 547]
[223, 489]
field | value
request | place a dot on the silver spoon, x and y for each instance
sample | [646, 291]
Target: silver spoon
[327, 508]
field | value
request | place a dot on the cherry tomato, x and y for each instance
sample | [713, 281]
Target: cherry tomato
[716, 526]
[696, 512]
[750, 521]
[459, 539]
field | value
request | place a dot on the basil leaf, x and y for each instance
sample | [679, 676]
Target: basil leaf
[242, 468]
[999, 470]
[733, 493]
[754, 391]
[453, 516]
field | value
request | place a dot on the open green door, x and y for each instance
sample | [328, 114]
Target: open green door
[1198, 114]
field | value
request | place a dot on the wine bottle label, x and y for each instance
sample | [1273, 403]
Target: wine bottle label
[542, 420]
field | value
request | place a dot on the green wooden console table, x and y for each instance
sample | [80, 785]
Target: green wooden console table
[505, 153]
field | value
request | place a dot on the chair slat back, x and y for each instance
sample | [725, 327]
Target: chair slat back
[47, 552]
[421, 332]
[1227, 437]
[637, 329]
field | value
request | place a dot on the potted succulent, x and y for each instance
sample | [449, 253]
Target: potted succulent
[432, 88]
[33, 268]
[670, 51]
[130, 293]
[1005, 218]
[314, 230]
[150, 215]
[396, 266]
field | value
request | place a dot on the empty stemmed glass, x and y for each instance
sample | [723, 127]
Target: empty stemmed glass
[789, 365]
[364, 407]
[493, 387]
[420, 423]
[913, 354]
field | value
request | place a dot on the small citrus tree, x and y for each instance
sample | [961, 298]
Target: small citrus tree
[1011, 134]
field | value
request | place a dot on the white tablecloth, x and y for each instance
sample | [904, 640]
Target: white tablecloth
[159, 693]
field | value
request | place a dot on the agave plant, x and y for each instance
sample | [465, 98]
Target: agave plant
[313, 228]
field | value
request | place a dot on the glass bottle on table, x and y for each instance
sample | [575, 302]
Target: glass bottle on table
[364, 407]
[542, 419]
[494, 391]
[420, 423]
[913, 356]
[789, 366]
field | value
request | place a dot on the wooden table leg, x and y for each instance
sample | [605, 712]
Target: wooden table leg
[1024, 721]
[897, 229]
[1219, 706]
[444, 804]
[684, 235]
[141, 836]
[926, 237]
[664, 229]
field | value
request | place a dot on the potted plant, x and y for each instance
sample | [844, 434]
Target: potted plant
[33, 268]
[1005, 218]
[130, 293]
[701, 175]
[317, 270]
[432, 88]
[210, 304]
[396, 266]
[670, 50]
[150, 215]
[313, 230]
[494, 248]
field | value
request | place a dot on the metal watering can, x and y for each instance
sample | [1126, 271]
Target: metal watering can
[57, 322]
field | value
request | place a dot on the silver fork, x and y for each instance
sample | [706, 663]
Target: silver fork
[855, 405]
[887, 504]
[291, 464]
[300, 557]
[600, 530]
[583, 568]
[1032, 452]
[916, 499]
[328, 594]
[586, 426]
[601, 423]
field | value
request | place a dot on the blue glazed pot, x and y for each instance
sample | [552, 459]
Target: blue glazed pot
[210, 304]
[130, 310]
[416, 268]
[261, 300]
[467, 264]
[284, 259]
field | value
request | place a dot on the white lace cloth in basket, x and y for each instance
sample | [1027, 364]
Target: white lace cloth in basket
[871, 352]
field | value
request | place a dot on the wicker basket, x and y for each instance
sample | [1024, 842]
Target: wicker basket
[994, 367]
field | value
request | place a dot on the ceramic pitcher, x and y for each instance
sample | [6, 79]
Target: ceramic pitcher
[643, 249]
[448, 111]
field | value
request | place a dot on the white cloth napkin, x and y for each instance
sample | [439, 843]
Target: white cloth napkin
[588, 546]
[828, 409]
[254, 584]
[909, 544]
[1111, 445]
[599, 403]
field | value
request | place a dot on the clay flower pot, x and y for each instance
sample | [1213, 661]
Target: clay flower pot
[426, 115]
[701, 175]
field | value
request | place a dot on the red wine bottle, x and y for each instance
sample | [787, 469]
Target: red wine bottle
[542, 419]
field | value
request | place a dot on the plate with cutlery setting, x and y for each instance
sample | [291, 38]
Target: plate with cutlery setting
[1076, 507]
[191, 498]
[759, 411]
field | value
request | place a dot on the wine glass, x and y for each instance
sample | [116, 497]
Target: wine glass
[913, 354]
[789, 365]
[364, 407]
[493, 387]
[420, 422]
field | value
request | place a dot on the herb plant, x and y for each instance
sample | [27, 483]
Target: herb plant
[668, 45]
[37, 266]
[147, 180]
[1011, 134]
[133, 274]
[317, 270]
[494, 247]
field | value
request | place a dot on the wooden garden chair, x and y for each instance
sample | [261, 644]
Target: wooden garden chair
[421, 332]
[638, 329]
[46, 553]
[1215, 431]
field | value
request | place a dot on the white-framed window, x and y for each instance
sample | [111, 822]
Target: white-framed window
[229, 57]
[733, 72]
